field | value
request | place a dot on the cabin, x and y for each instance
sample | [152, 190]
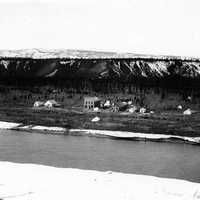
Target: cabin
[91, 102]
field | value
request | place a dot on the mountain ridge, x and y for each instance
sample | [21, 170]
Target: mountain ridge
[83, 54]
[67, 64]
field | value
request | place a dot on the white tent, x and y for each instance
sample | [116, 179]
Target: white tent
[38, 104]
[51, 103]
[95, 119]
[187, 112]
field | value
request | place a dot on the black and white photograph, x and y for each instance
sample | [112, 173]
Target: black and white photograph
[99, 100]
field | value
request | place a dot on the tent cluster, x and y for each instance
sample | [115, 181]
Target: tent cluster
[47, 104]
[94, 104]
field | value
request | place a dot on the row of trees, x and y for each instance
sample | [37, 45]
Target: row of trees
[142, 93]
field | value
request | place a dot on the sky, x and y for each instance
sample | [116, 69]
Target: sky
[160, 27]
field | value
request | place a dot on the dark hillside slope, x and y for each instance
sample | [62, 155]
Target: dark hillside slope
[64, 65]
[96, 65]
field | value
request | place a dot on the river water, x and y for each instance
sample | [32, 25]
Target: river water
[171, 160]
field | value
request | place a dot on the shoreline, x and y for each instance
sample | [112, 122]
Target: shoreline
[36, 182]
[100, 133]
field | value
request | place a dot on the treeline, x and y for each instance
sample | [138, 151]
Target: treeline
[85, 86]
[152, 95]
[106, 85]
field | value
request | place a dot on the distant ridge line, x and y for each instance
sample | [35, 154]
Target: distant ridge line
[83, 54]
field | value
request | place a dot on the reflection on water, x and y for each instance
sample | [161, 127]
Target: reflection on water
[152, 158]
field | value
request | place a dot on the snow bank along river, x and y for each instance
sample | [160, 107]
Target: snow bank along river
[36, 182]
[100, 133]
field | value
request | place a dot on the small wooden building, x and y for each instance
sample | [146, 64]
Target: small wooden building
[91, 102]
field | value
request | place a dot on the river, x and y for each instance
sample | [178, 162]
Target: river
[171, 160]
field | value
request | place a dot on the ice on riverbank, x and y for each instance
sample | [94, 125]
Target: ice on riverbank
[97, 133]
[45, 128]
[132, 135]
[36, 182]
[8, 125]
[11, 125]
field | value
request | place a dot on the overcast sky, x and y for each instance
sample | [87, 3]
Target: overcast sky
[168, 27]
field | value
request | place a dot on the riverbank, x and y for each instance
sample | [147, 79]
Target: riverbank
[36, 182]
[167, 123]
[99, 133]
